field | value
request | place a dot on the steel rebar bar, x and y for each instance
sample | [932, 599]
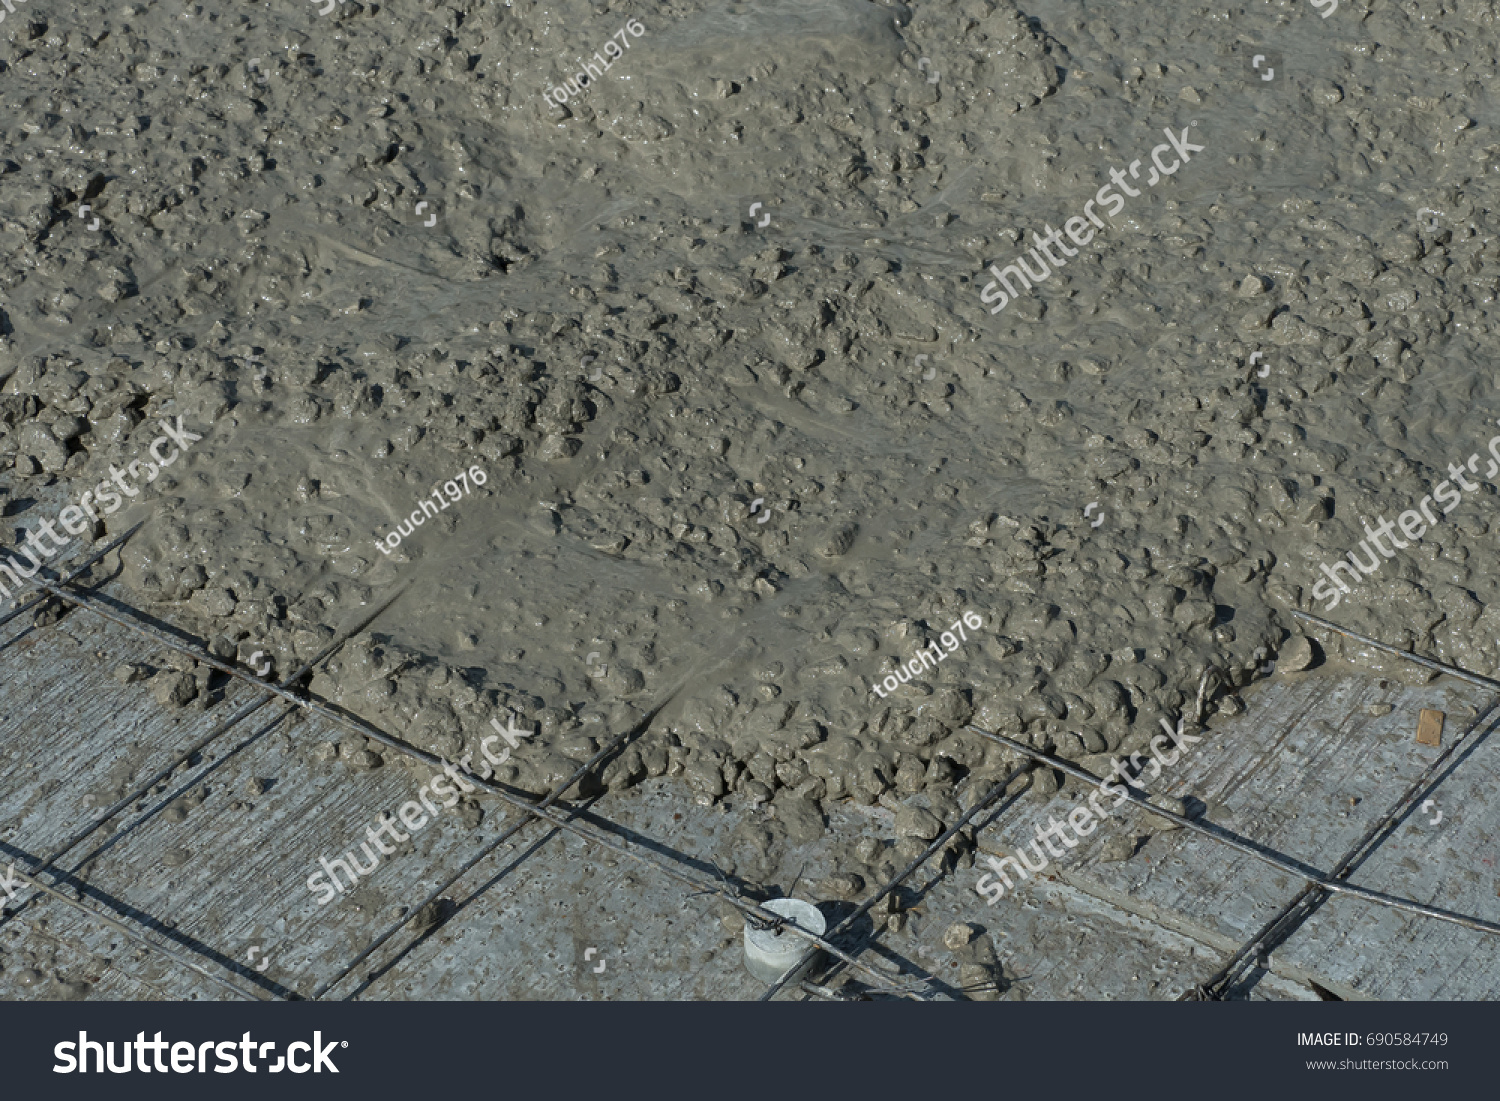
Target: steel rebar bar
[874, 900]
[1416, 659]
[1219, 834]
[197, 747]
[127, 931]
[1292, 914]
[553, 796]
[626, 849]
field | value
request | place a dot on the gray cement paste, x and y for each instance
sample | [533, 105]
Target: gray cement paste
[721, 481]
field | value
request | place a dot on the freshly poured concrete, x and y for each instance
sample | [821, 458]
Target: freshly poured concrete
[743, 470]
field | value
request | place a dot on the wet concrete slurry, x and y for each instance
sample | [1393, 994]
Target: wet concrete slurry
[715, 333]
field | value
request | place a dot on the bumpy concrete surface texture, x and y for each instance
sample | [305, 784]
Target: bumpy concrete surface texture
[716, 336]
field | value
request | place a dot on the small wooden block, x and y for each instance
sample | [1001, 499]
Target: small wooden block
[1430, 728]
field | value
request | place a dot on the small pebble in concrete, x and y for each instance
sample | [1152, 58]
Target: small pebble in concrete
[918, 823]
[173, 689]
[1044, 781]
[960, 935]
[357, 753]
[980, 977]
[846, 886]
[1296, 655]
